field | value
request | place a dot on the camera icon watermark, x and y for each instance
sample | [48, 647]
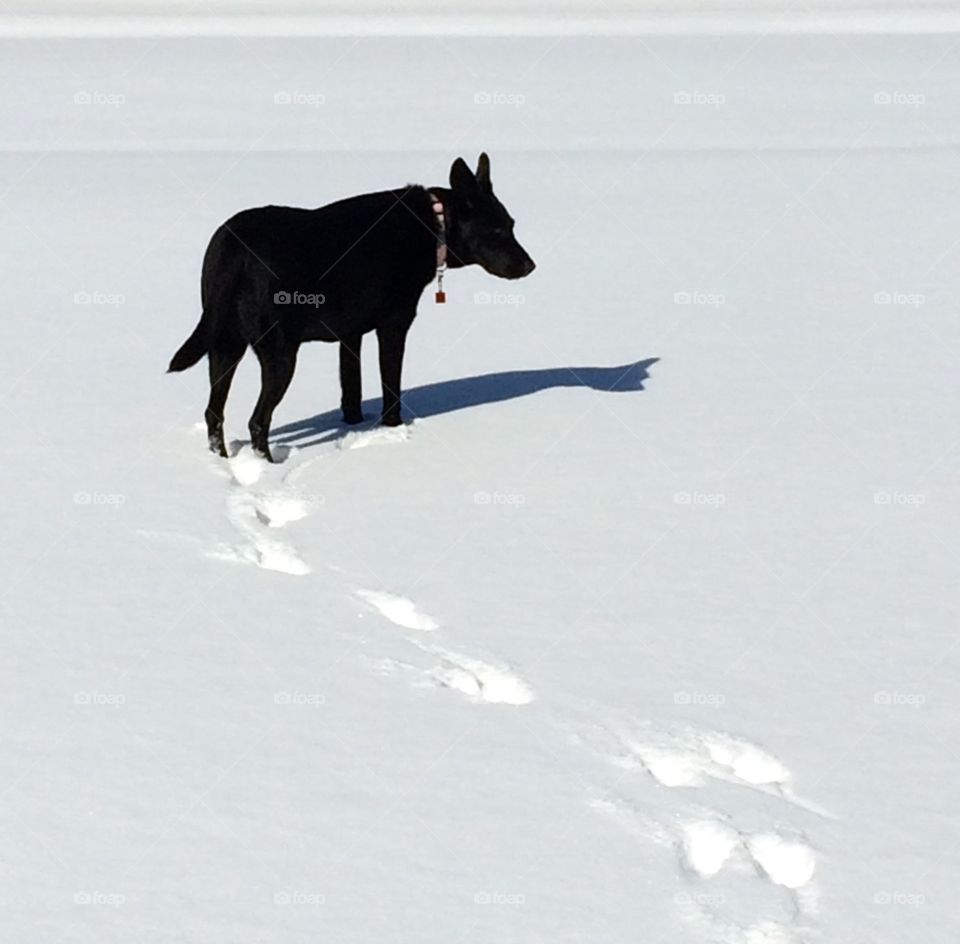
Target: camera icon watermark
[512, 299]
[700, 499]
[313, 299]
[899, 699]
[907, 499]
[111, 299]
[296, 97]
[100, 499]
[500, 499]
[296, 897]
[705, 299]
[909, 899]
[108, 99]
[700, 699]
[499, 898]
[108, 899]
[711, 99]
[906, 299]
[105, 699]
[512, 99]
[907, 99]
[299, 699]
[702, 899]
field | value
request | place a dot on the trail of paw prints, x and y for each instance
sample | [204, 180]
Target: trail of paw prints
[251, 515]
[718, 868]
[250, 512]
[714, 857]
[692, 758]
[474, 678]
[707, 843]
[264, 498]
[257, 514]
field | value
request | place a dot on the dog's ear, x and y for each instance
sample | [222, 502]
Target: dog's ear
[483, 173]
[462, 180]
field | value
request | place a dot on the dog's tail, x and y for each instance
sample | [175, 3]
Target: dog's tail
[192, 349]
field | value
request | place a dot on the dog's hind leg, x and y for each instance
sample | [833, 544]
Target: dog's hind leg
[277, 363]
[351, 384]
[223, 365]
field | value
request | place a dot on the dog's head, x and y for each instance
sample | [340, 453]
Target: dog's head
[483, 227]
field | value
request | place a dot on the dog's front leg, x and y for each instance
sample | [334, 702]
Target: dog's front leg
[391, 338]
[351, 384]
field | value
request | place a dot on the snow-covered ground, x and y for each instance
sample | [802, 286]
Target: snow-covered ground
[645, 629]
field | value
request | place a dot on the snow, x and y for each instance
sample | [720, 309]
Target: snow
[644, 629]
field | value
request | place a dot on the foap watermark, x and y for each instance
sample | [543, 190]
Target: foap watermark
[299, 699]
[314, 299]
[700, 699]
[107, 899]
[108, 99]
[907, 99]
[513, 99]
[899, 699]
[713, 99]
[297, 97]
[705, 299]
[904, 299]
[296, 897]
[100, 499]
[102, 699]
[914, 499]
[499, 898]
[700, 499]
[703, 899]
[908, 899]
[106, 299]
[509, 499]
[513, 299]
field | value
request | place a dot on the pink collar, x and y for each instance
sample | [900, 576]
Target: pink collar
[441, 246]
[441, 231]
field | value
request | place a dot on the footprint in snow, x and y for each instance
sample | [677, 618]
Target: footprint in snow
[786, 861]
[692, 757]
[476, 680]
[707, 845]
[479, 680]
[399, 610]
[248, 513]
[377, 436]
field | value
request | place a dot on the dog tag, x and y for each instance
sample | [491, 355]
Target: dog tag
[441, 297]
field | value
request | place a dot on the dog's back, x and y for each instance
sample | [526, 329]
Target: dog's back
[334, 269]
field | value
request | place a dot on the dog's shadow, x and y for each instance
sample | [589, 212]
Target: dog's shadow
[447, 396]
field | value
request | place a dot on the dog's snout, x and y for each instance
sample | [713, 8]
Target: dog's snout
[531, 265]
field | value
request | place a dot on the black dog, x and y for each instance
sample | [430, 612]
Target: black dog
[275, 277]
